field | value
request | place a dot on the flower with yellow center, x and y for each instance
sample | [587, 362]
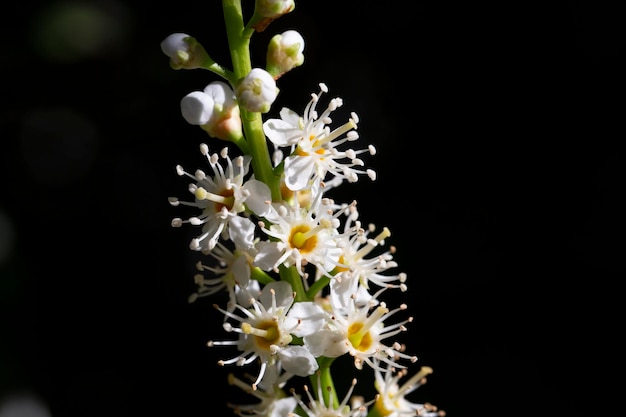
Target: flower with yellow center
[392, 401]
[267, 329]
[300, 236]
[222, 198]
[314, 147]
[360, 333]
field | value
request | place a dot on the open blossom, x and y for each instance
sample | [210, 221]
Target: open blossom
[314, 147]
[299, 236]
[392, 401]
[267, 329]
[356, 330]
[232, 274]
[356, 266]
[221, 199]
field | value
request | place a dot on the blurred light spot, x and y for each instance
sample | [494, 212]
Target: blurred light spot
[23, 405]
[71, 31]
[58, 145]
[7, 237]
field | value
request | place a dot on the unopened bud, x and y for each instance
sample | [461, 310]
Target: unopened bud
[214, 109]
[257, 91]
[185, 52]
[265, 11]
[284, 53]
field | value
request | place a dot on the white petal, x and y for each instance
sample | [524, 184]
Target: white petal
[282, 292]
[298, 170]
[326, 343]
[290, 117]
[241, 231]
[197, 108]
[259, 195]
[268, 255]
[221, 93]
[298, 360]
[284, 406]
[278, 131]
[174, 43]
[241, 270]
[311, 315]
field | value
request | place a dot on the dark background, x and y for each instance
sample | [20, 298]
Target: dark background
[499, 174]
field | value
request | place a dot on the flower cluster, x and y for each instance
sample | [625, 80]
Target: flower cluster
[305, 277]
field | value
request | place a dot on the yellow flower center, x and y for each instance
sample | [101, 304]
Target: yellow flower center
[360, 340]
[301, 240]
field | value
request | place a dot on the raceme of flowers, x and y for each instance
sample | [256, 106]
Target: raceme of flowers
[304, 277]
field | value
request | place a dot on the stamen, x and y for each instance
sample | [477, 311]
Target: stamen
[415, 382]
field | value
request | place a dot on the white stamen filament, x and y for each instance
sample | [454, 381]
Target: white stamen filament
[415, 381]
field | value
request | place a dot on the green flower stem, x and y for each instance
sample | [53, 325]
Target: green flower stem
[291, 275]
[261, 162]
[261, 276]
[317, 286]
[218, 69]
[241, 143]
[239, 44]
[325, 378]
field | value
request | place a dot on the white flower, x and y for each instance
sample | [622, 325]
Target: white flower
[231, 275]
[392, 401]
[314, 146]
[266, 331]
[354, 266]
[257, 91]
[222, 198]
[356, 331]
[299, 236]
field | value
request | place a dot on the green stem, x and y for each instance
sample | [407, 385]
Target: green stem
[317, 287]
[325, 379]
[239, 45]
[291, 275]
[261, 276]
[216, 68]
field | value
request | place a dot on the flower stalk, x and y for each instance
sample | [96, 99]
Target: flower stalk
[306, 279]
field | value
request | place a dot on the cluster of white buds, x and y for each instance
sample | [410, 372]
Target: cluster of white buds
[215, 110]
[306, 280]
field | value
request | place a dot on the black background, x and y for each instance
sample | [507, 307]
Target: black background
[497, 125]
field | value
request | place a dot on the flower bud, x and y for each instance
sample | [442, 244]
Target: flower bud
[257, 91]
[284, 53]
[274, 8]
[185, 52]
[197, 108]
[214, 109]
[265, 11]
